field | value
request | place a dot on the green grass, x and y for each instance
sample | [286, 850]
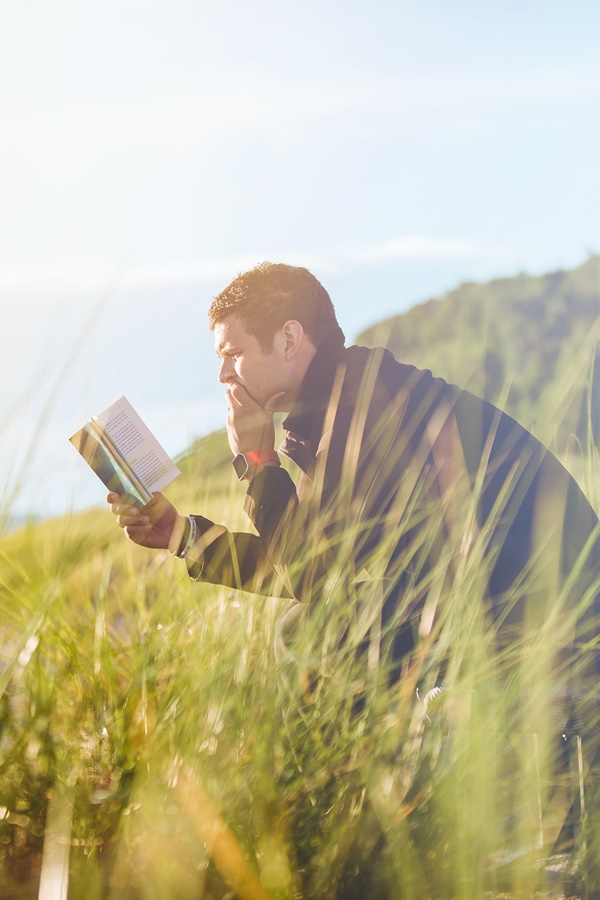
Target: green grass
[146, 727]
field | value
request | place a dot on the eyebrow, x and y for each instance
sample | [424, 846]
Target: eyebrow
[227, 350]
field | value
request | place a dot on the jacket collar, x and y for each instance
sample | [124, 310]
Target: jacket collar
[305, 420]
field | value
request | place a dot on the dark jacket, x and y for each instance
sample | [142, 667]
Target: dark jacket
[399, 470]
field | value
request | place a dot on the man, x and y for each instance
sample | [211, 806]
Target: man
[402, 479]
[421, 530]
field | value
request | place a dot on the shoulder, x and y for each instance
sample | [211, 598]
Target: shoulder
[479, 422]
[377, 369]
[384, 364]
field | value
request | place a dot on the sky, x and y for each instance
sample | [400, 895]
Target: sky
[149, 151]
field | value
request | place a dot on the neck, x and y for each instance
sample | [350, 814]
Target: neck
[304, 357]
[313, 390]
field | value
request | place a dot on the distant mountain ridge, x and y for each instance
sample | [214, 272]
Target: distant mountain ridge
[527, 342]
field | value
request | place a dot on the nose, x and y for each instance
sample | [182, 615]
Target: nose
[226, 371]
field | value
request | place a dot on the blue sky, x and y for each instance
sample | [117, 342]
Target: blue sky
[150, 150]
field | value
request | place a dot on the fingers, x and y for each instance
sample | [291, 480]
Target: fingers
[128, 519]
[239, 396]
[136, 533]
[126, 513]
[236, 394]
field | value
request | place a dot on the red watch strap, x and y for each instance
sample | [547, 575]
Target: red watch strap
[257, 457]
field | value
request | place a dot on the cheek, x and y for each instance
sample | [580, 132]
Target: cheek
[246, 374]
[243, 370]
[250, 371]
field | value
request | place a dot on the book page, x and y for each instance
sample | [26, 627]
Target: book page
[138, 446]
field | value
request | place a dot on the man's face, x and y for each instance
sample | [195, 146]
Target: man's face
[244, 362]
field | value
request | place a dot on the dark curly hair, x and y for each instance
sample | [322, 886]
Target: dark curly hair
[270, 294]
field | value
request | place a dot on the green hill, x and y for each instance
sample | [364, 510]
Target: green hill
[528, 342]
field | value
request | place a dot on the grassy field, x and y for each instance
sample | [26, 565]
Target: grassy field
[151, 746]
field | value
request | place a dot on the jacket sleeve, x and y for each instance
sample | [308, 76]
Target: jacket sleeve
[233, 559]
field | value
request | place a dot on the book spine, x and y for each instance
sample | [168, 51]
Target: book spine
[114, 452]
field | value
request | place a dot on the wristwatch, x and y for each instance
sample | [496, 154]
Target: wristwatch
[243, 462]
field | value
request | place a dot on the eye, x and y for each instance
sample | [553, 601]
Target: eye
[229, 354]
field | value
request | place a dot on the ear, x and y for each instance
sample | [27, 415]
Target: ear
[292, 337]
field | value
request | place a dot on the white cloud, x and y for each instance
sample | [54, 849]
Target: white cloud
[73, 278]
[419, 248]
[70, 279]
[175, 126]
[190, 124]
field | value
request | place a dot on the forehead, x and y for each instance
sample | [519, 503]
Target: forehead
[231, 332]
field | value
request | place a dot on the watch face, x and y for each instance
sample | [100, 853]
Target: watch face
[240, 465]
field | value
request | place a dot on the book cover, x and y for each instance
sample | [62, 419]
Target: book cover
[124, 454]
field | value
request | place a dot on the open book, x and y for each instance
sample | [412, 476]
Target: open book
[124, 453]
